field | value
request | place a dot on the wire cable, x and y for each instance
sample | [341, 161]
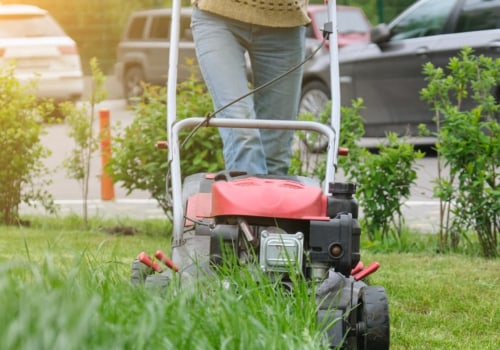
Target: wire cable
[209, 116]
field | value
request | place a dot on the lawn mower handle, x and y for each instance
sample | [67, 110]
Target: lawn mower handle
[174, 127]
[174, 151]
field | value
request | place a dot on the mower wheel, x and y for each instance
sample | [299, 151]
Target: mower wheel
[373, 319]
[139, 272]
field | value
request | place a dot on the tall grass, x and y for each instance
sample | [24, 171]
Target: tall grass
[68, 289]
[64, 288]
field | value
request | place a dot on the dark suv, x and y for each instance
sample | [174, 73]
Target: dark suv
[387, 72]
[142, 54]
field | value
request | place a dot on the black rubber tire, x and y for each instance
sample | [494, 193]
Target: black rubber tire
[314, 97]
[373, 318]
[132, 80]
[139, 272]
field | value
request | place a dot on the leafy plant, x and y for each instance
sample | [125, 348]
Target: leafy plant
[384, 181]
[80, 119]
[136, 162]
[468, 134]
[21, 166]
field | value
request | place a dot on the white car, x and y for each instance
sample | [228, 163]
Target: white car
[41, 50]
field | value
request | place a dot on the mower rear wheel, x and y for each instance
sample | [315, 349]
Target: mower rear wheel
[373, 319]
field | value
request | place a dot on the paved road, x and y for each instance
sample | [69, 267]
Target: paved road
[421, 211]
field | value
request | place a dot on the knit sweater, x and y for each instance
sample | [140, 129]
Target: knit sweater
[270, 13]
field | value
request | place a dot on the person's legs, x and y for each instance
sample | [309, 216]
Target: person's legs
[273, 52]
[222, 63]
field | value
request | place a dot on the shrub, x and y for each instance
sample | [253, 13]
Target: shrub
[383, 179]
[468, 135]
[136, 162]
[21, 166]
[384, 182]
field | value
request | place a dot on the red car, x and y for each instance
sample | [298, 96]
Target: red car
[352, 24]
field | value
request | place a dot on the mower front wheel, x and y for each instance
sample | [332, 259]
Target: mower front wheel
[373, 319]
[139, 272]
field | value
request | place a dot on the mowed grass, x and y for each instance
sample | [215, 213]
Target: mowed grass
[62, 287]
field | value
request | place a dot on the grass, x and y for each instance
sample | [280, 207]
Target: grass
[62, 287]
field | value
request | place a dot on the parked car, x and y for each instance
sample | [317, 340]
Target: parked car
[387, 72]
[40, 49]
[142, 54]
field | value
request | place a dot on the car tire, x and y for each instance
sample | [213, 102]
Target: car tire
[132, 83]
[314, 98]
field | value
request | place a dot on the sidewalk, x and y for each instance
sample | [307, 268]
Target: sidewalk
[419, 215]
[139, 209]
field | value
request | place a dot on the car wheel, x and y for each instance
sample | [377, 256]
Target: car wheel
[133, 78]
[314, 98]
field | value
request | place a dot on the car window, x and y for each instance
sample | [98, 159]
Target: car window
[136, 28]
[479, 15]
[427, 19]
[348, 21]
[160, 28]
[29, 25]
[351, 21]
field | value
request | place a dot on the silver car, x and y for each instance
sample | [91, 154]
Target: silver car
[39, 48]
[142, 54]
[387, 72]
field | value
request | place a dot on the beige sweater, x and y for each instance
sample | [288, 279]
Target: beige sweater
[270, 13]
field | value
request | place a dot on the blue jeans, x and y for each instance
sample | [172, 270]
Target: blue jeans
[221, 44]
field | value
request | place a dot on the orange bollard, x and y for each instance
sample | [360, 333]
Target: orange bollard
[107, 185]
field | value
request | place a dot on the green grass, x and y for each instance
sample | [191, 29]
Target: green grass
[62, 287]
[441, 301]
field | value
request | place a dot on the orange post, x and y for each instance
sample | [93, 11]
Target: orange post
[107, 186]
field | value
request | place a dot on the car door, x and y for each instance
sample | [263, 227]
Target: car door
[476, 25]
[157, 49]
[388, 76]
[187, 64]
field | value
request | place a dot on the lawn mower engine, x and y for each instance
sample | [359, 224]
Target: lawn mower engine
[287, 225]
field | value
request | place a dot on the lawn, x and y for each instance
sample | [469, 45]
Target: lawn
[62, 287]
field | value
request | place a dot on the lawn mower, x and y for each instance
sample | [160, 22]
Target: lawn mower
[279, 224]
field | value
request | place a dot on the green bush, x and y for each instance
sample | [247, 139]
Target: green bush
[468, 135]
[383, 179]
[21, 166]
[136, 162]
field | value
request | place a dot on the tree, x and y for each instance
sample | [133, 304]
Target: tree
[80, 120]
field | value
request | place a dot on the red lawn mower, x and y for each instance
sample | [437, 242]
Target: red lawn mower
[277, 223]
